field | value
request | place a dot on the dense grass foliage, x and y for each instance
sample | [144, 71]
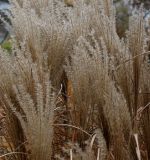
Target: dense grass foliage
[72, 88]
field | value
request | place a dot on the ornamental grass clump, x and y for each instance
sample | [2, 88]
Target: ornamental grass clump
[71, 88]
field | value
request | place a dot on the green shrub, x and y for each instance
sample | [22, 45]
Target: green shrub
[7, 45]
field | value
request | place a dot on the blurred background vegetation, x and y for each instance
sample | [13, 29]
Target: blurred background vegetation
[124, 8]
